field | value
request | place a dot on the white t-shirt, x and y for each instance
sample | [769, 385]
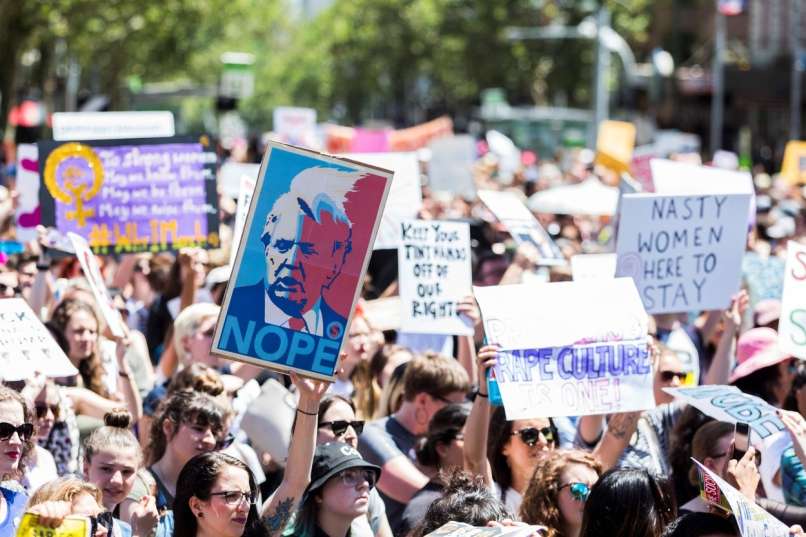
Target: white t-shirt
[41, 470]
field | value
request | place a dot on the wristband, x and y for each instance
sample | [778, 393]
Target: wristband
[41, 268]
[122, 374]
[307, 413]
[484, 395]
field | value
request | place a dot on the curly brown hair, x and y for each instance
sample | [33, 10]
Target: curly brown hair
[540, 501]
[90, 368]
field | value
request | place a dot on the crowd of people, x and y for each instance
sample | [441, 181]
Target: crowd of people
[156, 436]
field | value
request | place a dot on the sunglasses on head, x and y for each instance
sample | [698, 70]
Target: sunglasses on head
[7, 430]
[531, 435]
[42, 410]
[104, 519]
[339, 427]
[668, 376]
[579, 491]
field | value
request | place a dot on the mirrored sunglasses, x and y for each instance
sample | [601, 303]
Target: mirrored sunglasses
[579, 491]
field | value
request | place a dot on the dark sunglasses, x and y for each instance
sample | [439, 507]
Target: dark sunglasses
[339, 427]
[579, 491]
[5, 287]
[25, 431]
[225, 442]
[42, 410]
[104, 519]
[531, 435]
[667, 376]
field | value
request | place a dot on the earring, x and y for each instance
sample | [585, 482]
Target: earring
[200, 515]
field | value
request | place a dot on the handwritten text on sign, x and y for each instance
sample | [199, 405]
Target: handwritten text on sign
[131, 198]
[566, 350]
[792, 328]
[434, 274]
[683, 252]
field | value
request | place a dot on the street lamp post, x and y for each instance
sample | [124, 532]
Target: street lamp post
[717, 93]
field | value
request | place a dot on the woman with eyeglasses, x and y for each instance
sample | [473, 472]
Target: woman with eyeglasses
[712, 447]
[503, 452]
[338, 493]
[16, 432]
[337, 422]
[558, 490]
[112, 457]
[68, 496]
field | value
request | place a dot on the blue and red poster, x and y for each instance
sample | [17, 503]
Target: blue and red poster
[301, 261]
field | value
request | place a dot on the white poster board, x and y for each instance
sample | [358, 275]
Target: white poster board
[295, 125]
[672, 177]
[752, 520]
[405, 198]
[522, 224]
[26, 346]
[566, 350]
[93, 274]
[593, 266]
[434, 273]
[71, 126]
[729, 404]
[450, 168]
[241, 211]
[27, 184]
[792, 325]
[684, 252]
[229, 177]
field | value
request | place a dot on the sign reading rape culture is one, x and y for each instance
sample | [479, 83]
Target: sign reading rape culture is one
[566, 350]
[792, 328]
[127, 196]
[26, 346]
[683, 252]
[729, 404]
[434, 273]
[301, 260]
[93, 274]
[752, 520]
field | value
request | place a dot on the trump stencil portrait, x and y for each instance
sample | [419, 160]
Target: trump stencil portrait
[301, 261]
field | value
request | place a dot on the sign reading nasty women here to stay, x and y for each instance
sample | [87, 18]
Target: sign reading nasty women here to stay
[683, 252]
[126, 196]
[566, 350]
[434, 273]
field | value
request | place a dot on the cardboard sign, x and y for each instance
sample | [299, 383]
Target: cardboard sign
[383, 313]
[127, 196]
[27, 213]
[70, 126]
[522, 224]
[301, 261]
[752, 520]
[296, 126]
[792, 325]
[640, 167]
[565, 350]
[793, 167]
[671, 177]
[72, 526]
[241, 211]
[26, 346]
[593, 266]
[729, 404]
[460, 529]
[96, 280]
[434, 273]
[229, 177]
[451, 166]
[615, 142]
[405, 198]
[684, 252]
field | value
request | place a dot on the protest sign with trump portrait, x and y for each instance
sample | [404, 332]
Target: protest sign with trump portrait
[301, 261]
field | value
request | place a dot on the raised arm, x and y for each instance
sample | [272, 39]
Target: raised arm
[478, 422]
[616, 437]
[279, 507]
[719, 370]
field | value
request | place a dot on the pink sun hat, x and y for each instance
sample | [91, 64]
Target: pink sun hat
[757, 348]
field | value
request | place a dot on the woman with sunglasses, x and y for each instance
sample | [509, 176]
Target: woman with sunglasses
[42, 467]
[338, 493]
[68, 496]
[503, 452]
[16, 432]
[112, 456]
[557, 491]
[337, 422]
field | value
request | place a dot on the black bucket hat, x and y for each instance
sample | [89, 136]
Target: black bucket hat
[332, 458]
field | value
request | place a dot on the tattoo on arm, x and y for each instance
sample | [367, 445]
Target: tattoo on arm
[277, 520]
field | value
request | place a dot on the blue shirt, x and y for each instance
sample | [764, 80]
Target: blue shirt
[16, 498]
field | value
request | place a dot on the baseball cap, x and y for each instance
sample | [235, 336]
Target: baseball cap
[757, 349]
[332, 458]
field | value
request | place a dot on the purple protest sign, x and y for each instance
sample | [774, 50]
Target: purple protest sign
[129, 197]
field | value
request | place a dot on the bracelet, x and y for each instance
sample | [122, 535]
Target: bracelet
[307, 413]
[42, 268]
[122, 374]
[484, 395]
